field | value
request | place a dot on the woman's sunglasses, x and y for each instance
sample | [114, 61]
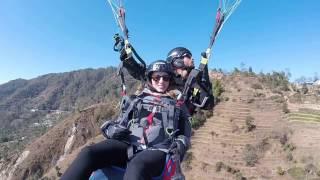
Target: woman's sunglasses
[158, 77]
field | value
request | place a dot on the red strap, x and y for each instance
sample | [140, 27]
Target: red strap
[170, 170]
[150, 118]
[123, 93]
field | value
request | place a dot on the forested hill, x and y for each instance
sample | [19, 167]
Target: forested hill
[29, 107]
[63, 91]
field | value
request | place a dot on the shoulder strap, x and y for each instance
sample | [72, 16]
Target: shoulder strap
[171, 118]
[128, 105]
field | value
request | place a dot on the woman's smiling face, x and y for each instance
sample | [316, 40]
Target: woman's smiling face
[160, 81]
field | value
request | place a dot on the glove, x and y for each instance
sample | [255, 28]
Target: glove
[177, 147]
[204, 54]
[123, 53]
[116, 131]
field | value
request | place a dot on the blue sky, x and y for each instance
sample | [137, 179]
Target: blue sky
[39, 37]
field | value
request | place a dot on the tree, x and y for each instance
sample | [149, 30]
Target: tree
[315, 77]
[243, 66]
[236, 71]
[288, 73]
[304, 88]
[250, 71]
[301, 80]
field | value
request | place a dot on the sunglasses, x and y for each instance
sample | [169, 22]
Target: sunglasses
[158, 77]
[183, 56]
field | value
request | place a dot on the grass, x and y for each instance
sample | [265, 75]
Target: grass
[305, 120]
[297, 173]
[305, 114]
[302, 116]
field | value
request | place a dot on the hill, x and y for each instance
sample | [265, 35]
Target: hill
[29, 108]
[262, 128]
[256, 132]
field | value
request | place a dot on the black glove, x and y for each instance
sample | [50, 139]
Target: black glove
[116, 131]
[204, 54]
[123, 53]
[178, 147]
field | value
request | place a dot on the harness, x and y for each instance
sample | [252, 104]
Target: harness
[131, 117]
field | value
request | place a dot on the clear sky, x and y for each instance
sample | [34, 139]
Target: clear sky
[41, 36]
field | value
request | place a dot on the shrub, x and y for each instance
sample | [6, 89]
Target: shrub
[250, 100]
[263, 145]
[59, 174]
[275, 80]
[208, 113]
[256, 86]
[289, 156]
[104, 112]
[277, 91]
[280, 171]
[297, 173]
[198, 119]
[304, 89]
[259, 94]
[277, 98]
[4, 139]
[311, 169]
[285, 108]
[239, 176]
[217, 88]
[187, 160]
[249, 124]
[250, 155]
[296, 98]
[283, 139]
[289, 147]
[219, 166]
[213, 134]
[228, 169]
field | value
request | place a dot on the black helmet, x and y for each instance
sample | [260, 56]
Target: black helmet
[175, 56]
[159, 66]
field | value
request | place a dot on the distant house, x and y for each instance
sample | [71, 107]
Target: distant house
[316, 83]
[309, 83]
[34, 110]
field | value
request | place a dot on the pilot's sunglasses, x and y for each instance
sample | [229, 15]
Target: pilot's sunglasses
[183, 56]
[158, 77]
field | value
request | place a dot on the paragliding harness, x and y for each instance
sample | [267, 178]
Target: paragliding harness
[130, 116]
[170, 119]
[223, 13]
[122, 42]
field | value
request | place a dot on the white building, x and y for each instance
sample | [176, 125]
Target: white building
[317, 83]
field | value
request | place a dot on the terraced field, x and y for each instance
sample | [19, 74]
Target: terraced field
[304, 119]
[224, 138]
[304, 116]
